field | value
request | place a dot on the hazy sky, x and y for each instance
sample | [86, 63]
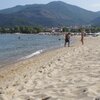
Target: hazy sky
[93, 5]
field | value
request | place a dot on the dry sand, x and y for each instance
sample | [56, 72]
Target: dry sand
[64, 74]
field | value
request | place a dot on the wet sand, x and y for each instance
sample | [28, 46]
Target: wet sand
[63, 74]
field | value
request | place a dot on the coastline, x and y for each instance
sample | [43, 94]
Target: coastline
[71, 73]
[29, 56]
[26, 46]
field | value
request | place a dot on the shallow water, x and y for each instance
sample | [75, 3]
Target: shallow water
[20, 46]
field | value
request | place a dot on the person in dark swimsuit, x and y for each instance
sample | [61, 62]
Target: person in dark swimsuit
[67, 39]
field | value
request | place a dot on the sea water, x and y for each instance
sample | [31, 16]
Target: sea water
[15, 47]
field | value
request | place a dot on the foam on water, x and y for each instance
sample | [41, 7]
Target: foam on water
[31, 55]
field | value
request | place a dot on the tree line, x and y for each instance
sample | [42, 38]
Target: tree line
[92, 29]
[22, 29]
[37, 29]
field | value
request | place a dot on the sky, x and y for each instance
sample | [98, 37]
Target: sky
[92, 5]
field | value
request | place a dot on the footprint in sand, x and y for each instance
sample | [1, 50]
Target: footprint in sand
[46, 98]
[81, 93]
[1, 91]
[30, 90]
[97, 98]
[1, 97]
[23, 97]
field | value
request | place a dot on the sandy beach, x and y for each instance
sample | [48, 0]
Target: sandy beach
[68, 73]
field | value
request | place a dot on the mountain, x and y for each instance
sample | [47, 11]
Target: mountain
[98, 12]
[55, 13]
[96, 21]
[13, 9]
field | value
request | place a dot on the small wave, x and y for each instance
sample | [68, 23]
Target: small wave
[17, 33]
[31, 55]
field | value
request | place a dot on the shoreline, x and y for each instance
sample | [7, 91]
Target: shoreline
[9, 67]
[72, 73]
[24, 58]
[28, 56]
[18, 50]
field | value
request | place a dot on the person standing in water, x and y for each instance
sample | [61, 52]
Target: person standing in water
[67, 39]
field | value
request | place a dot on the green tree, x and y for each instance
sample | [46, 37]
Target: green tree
[65, 29]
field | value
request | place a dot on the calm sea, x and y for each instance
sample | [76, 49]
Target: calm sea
[21, 46]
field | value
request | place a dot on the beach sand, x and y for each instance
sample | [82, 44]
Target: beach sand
[68, 73]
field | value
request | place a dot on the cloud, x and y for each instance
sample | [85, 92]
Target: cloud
[95, 5]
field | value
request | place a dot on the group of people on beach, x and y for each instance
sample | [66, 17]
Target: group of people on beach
[67, 38]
